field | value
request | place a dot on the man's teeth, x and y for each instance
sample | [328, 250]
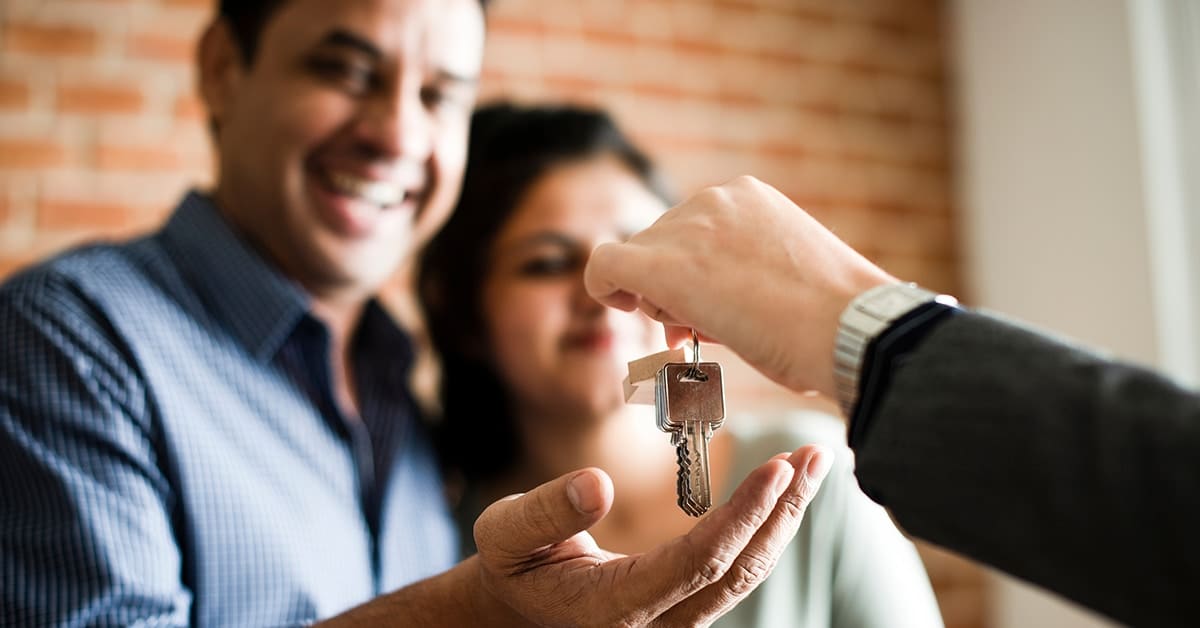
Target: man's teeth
[381, 193]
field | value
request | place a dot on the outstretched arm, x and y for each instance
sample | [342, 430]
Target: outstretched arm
[1049, 462]
[538, 564]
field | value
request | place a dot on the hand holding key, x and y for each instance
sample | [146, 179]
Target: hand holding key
[775, 279]
[536, 555]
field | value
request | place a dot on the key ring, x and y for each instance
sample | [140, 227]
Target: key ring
[694, 373]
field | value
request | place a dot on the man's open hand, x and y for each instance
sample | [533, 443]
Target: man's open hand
[536, 556]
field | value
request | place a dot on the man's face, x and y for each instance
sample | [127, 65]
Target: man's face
[342, 143]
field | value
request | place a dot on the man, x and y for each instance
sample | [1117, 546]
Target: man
[209, 425]
[1057, 466]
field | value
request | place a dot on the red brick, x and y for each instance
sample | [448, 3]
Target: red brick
[138, 158]
[100, 99]
[817, 18]
[43, 246]
[739, 99]
[32, 154]
[517, 26]
[60, 214]
[161, 47]
[190, 108]
[782, 150]
[14, 95]
[11, 263]
[945, 568]
[963, 607]
[49, 40]
[574, 87]
[661, 90]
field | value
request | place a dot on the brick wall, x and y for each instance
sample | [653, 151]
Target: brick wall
[99, 129]
[839, 103]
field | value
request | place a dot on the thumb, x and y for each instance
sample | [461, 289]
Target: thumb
[519, 525]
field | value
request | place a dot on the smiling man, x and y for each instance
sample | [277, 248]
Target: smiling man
[209, 425]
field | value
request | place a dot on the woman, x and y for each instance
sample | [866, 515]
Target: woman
[532, 371]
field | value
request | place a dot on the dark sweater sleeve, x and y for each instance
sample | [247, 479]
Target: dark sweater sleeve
[1076, 473]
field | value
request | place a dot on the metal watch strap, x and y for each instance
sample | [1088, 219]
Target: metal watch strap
[868, 315]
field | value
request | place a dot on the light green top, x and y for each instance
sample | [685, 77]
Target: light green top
[848, 566]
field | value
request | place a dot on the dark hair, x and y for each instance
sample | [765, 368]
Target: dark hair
[511, 148]
[247, 18]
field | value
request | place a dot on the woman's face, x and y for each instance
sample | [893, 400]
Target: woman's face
[558, 350]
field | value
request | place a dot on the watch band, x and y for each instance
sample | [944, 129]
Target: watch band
[867, 316]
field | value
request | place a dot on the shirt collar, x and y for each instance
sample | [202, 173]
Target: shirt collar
[384, 343]
[242, 290]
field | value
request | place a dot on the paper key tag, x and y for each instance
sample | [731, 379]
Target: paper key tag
[639, 384]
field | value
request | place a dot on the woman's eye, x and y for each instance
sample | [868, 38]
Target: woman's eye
[352, 77]
[433, 97]
[448, 98]
[547, 266]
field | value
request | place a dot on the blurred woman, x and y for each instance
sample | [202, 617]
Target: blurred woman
[532, 370]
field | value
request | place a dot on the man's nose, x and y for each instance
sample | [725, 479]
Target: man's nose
[397, 124]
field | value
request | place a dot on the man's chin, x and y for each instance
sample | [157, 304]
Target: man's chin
[350, 274]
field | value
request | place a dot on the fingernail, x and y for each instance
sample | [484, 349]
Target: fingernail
[818, 464]
[784, 481]
[581, 491]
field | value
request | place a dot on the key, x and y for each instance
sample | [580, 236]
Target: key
[690, 405]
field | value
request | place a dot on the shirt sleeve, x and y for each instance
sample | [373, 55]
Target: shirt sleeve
[86, 534]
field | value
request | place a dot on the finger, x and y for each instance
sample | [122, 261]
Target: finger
[758, 559]
[622, 300]
[679, 334]
[665, 576]
[659, 314]
[614, 271]
[514, 528]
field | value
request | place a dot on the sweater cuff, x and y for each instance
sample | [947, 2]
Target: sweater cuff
[883, 355]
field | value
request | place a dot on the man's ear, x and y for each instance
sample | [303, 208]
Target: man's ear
[220, 69]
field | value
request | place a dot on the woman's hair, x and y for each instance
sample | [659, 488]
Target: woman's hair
[511, 148]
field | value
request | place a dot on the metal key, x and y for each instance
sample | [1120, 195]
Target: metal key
[690, 405]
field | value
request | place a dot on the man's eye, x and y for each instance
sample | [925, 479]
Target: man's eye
[355, 78]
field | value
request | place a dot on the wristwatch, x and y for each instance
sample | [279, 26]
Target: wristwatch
[869, 315]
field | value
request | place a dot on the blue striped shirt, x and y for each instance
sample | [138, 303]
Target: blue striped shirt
[171, 451]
